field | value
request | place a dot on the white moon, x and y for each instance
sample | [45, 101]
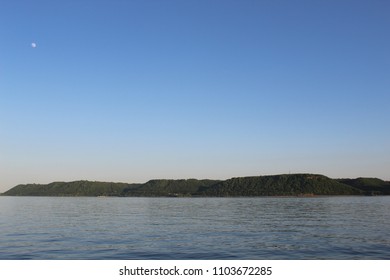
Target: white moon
[33, 45]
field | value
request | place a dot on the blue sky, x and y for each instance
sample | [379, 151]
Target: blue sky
[136, 90]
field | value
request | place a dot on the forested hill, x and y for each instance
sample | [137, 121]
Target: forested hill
[77, 188]
[370, 186]
[280, 185]
[276, 185]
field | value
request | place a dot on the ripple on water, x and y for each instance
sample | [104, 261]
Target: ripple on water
[195, 228]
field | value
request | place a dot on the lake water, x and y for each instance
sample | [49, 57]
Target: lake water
[194, 228]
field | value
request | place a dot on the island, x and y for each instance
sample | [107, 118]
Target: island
[305, 185]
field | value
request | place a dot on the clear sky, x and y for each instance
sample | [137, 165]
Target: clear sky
[128, 91]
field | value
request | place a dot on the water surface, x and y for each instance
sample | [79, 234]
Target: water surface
[194, 228]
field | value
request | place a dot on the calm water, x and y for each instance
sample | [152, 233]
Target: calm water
[195, 228]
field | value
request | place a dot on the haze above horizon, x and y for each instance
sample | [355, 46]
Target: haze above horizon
[127, 91]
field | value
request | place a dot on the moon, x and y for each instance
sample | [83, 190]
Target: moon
[33, 45]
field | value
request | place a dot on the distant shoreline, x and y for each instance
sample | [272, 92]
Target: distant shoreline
[284, 185]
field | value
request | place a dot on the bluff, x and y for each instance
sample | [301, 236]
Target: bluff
[280, 185]
[76, 188]
[274, 185]
[369, 186]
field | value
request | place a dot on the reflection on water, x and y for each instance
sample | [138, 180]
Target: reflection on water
[195, 228]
